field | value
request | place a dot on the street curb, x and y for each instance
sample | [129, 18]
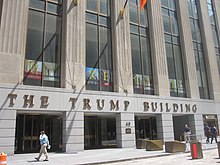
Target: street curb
[137, 158]
[127, 159]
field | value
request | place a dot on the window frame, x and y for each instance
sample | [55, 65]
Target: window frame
[173, 39]
[108, 27]
[41, 56]
[146, 36]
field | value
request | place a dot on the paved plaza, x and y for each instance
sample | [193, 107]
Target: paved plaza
[120, 156]
[210, 157]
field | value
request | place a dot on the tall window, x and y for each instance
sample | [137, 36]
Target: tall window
[173, 50]
[198, 49]
[140, 48]
[43, 45]
[214, 31]
[98, 46]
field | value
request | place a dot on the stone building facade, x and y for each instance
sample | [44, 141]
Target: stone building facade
[78, 112]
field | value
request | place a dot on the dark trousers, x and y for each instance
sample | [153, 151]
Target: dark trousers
[213, 138]
[207, 140]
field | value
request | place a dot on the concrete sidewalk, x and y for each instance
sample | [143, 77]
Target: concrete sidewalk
[98, 156]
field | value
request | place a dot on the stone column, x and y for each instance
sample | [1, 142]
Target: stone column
[192, 88]
[125, 121]
[7, 129]
[121, 48]
[196, 125]
[165, 130]
[160, 70]
[216, 8]
[218, 118]
[12, 40]
[73, 132]
[209, 50]
[73, 48]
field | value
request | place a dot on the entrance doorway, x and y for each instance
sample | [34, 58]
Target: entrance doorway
[28, 129]
[179, 122]
[211, 120]
[145, 128]
[99, 132]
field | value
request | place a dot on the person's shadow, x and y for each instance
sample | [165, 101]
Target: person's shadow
[31, 161]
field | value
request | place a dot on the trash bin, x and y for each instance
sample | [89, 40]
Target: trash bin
[3, 158]
[218, 143]
[196, 150]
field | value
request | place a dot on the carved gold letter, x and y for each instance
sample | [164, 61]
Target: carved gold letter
[12, 97]
[126, 105]
[167, 107]
[194, 108]
[99, 107]
[187, 107]
[44, 101]
[113, 105]
[175, 107]
[29, 101]
[146, 106]
[73, 100]
[86, 104]
[154, 106]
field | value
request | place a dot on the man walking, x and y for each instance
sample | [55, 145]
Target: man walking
[44, 142]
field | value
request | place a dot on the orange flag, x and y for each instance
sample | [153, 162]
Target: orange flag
[142, 4]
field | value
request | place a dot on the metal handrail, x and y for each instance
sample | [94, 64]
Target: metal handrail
[197, 137]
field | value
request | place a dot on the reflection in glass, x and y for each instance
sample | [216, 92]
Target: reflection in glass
[140, 49]
[173, 53]
[37, 4]
[42, 59]
[198, 51]
[92, 5]
[98, 46]
[91, 46]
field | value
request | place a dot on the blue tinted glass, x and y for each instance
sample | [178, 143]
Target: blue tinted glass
[37, 4]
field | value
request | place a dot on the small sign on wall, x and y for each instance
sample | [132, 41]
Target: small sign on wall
[128, 128]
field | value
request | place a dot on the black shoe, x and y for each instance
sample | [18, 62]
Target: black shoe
[46, 160]
[36, 158]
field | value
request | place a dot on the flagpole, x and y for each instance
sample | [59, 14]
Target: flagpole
[123, 9]
[125, 4]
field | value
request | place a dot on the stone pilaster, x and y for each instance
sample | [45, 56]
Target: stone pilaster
[73, 51]
[165, 127]
[160, 71]
[125, 121]
[7, 129]
[217, 14]
[122, 49]
[192, 88]
[197, 126]
[209, 50]
[73, 132]
[12, 40]
[218, 117]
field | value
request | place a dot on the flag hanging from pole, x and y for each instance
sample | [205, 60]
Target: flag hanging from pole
[142, 4]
